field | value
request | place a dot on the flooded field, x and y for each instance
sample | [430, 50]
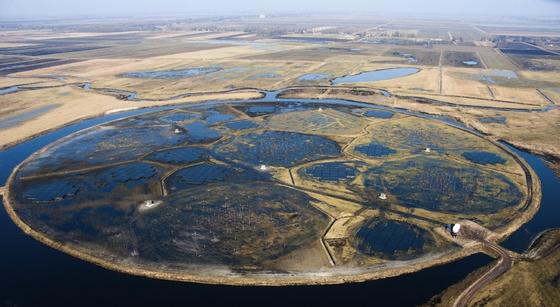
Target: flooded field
[374, 150]
[445, 187]
[22, 117]
[182, 155]
[379, 114]
[496, 76]
[524, 49]
[482, 157]
[242, 125]
[314, 77]
[376, 75]
[278, 148]
[265, 76]
[242, 193]
[172, 74]
[493, 120]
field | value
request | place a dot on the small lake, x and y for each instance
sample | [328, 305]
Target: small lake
[376, 75]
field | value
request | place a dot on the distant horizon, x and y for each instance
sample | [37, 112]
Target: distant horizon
[171, 16]
[36, 9]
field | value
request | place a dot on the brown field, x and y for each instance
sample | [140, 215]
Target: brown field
[281, 64]
[456, 58]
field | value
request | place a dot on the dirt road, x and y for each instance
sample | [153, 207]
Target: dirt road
[504, 264]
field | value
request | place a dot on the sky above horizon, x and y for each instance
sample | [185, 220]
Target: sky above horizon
[69, 8]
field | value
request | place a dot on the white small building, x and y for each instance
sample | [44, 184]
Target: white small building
[382, 196]
[149, 204]
[456, 228]
[262, 167]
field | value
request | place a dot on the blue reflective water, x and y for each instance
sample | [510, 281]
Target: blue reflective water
[470, 63]
[260, 110]
[314, 77]
[549, 213]
[376, 75]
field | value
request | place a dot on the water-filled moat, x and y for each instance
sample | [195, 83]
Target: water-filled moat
[264, 192]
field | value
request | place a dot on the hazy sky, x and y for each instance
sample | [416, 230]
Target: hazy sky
[29, 8]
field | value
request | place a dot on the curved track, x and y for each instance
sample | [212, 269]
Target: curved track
[503, 265]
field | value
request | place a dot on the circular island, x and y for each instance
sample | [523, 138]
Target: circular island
[268, 193]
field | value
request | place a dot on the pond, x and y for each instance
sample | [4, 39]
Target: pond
[470, 63]
[376, 75]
